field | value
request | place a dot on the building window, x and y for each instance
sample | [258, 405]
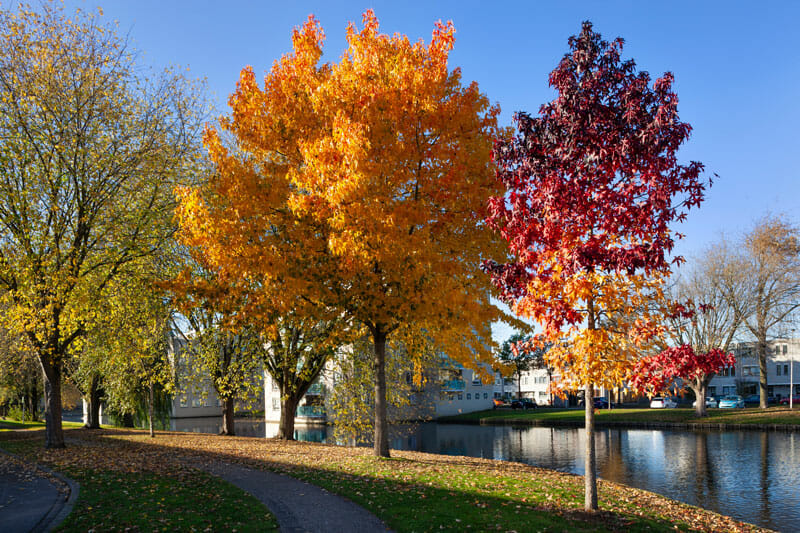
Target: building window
[778, 369]
[749, 371]
[276, 404]
[485, 395]
[784, 349]
[184, 401]
[460, 396]
[712, 391]
[469, 396]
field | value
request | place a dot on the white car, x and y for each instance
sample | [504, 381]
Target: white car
[664, 402]
[710, 402]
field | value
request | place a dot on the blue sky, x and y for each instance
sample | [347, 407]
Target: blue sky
[736, 66]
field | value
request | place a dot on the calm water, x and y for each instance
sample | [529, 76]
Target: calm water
[753, 476]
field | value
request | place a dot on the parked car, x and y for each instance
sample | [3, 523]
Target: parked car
[663, 402]
[710, 402]
[731, 402]
[755, 400]
[795, 401]
[524, 403]
[599, 402]
[499, 402]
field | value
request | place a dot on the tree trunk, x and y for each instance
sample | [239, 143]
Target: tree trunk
[127, 420]
[54, 433]
[700, 395]
[762, 372]
[381, 444]
[519, 385]
[93, 411]
[590, 463]
[288, 412]
[228, 427]
[150, 411]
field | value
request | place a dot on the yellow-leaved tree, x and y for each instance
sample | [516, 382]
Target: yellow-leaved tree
[91, 149]
[360, 186]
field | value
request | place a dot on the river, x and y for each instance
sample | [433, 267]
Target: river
[751, 475]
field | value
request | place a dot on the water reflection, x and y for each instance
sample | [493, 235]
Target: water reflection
[752, 476]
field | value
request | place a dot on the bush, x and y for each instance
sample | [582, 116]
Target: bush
[16, 413]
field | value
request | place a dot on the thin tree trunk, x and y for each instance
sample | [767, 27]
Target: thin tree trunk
[93, 411]
[519, 386]
[762, 371]
[228, 427]
[54, 433]
[288, 412]
[381, 444]
[150, 411]
[590, 460]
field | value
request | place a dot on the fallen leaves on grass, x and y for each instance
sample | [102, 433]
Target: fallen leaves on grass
[492, 493]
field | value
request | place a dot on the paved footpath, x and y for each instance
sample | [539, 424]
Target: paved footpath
[32, 499]
[298, 506]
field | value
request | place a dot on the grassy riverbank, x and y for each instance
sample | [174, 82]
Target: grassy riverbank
[410, 492]
[553, 416]
[8, 424]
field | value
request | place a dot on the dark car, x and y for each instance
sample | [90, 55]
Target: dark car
[755, 400]
[524, 403]
[599, 403]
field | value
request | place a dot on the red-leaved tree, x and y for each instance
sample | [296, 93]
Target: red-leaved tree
[592, 184]
[657, 373]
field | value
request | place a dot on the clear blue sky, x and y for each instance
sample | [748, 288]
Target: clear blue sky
[736, 66]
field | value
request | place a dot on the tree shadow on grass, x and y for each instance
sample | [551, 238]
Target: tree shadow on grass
[409, 492]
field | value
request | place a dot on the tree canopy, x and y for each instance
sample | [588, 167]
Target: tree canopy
[358, 186]
[91, 149]
[591, 186]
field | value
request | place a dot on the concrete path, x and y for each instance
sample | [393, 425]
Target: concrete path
[298, 506]
[32, 498]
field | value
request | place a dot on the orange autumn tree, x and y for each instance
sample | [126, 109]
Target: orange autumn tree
[359, 186]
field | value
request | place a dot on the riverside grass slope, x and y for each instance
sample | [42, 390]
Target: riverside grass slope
[755, 418]
[411, 492]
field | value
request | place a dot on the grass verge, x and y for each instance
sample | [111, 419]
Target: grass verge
[411, 492]
[545, 416]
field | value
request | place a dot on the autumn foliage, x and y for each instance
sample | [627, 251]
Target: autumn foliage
[656, 373]
[359, 187]
[592, 184]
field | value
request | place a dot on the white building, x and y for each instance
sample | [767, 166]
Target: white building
[743, 378]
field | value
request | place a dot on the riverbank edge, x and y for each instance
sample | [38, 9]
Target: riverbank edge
[615, 424]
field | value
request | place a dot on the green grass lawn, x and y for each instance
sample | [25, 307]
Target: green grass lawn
[129, 480]
[544, 416]
[7, 424]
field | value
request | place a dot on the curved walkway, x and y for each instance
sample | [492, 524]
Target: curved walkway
[298, 506]
[32, 498]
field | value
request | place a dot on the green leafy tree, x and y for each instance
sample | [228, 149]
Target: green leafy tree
[90, 151]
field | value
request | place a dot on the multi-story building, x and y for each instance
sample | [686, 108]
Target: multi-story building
[451, 390]
[743, 378]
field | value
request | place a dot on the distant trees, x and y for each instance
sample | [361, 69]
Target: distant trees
[592, 184]
[762, 282]
[91, 150]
